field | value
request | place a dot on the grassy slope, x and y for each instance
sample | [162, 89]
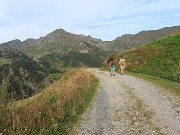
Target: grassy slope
[159, 58]
[54, 110]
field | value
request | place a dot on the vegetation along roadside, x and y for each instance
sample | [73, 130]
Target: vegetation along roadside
[54, 110]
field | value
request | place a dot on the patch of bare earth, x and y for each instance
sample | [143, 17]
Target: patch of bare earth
[126, 105]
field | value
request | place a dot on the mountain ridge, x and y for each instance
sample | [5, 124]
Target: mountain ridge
[125, 37]
[152, 34]
[60, 44]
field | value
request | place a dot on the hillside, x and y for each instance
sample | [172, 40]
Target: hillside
[158, 58]
[20, 75]
[54, 110]
[60, 47]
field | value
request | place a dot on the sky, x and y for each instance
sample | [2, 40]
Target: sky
[102, 19]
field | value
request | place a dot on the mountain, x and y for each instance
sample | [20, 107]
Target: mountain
[20, 76]
[157, 58]
[130, 40]
[58, 41]
[23, 74]
[63, 50]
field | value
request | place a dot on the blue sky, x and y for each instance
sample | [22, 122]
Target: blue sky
[104, 19]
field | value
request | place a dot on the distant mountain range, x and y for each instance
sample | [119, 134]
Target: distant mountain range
[64, 50]
[60, 41]
[147, 36]
[128, 41]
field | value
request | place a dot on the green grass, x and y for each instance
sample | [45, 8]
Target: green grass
[173, 87]
[66, 123]
[158, 58]
[3, 61]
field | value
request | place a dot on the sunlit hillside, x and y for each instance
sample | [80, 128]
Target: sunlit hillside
[54, 110]
[158, 58]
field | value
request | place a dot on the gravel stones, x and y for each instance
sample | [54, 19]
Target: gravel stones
[127, 105]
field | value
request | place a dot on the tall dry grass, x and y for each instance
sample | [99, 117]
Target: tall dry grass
[52, 111]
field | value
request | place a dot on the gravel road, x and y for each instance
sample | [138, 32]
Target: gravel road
[126, 105]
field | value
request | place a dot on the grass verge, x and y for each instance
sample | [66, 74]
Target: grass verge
[53, 111]
[173, 87]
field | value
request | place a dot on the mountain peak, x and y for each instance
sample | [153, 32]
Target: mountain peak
[57, 34]
[29, 41]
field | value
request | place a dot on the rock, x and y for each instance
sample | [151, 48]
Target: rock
[136, 123]
[140, 118]
[134, 118]
[144, 118]
[177, 109]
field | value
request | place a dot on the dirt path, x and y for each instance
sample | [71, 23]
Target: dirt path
[125, 105]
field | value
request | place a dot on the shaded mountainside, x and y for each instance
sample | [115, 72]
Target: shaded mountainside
[158, 58]
[20, 75]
